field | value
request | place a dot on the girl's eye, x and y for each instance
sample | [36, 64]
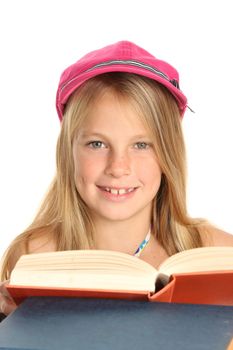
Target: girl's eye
[96, 144]
[141, 145]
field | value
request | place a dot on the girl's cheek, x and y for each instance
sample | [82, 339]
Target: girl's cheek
[89, 167]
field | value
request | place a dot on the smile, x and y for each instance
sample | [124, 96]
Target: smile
[117, 192]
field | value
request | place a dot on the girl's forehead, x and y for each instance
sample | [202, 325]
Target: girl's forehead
[111, 111]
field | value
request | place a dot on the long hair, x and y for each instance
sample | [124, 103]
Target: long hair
[63, 213]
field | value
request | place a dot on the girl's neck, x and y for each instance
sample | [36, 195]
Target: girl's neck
[126, 237]
[123, 236]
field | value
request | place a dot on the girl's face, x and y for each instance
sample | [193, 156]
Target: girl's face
[116, 170]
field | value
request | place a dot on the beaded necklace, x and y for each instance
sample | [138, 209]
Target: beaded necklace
[143, 244]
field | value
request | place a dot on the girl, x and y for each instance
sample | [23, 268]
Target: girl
[121, 167]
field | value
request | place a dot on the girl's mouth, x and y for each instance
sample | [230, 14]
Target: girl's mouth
[117, 193]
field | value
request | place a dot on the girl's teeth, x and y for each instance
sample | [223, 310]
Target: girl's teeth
[130, 189]
[122, 191]
[118, 192]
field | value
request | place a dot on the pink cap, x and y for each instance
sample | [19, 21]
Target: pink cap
[123, 56]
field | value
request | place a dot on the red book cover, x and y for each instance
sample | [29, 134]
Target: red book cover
[215, 288]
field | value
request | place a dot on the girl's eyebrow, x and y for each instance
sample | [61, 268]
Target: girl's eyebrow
[101, 135]
[91, 133]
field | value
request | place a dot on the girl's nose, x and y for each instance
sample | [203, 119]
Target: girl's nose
[118, 165]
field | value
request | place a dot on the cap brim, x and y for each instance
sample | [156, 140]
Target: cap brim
[69, 87]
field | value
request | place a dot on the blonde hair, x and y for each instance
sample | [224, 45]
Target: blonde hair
[63, 213]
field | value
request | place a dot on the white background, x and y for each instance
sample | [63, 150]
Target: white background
[40, 38]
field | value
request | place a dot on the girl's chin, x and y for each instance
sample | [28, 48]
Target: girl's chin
[113, 214]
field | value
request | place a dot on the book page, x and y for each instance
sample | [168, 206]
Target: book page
[199, 260]
[85, 269]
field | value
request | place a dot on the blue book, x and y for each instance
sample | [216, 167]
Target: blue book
[47, 323]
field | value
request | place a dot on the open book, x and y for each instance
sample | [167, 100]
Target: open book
[205, 272]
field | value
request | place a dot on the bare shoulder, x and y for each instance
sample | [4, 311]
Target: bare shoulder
[41, 244]
[214, 236]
